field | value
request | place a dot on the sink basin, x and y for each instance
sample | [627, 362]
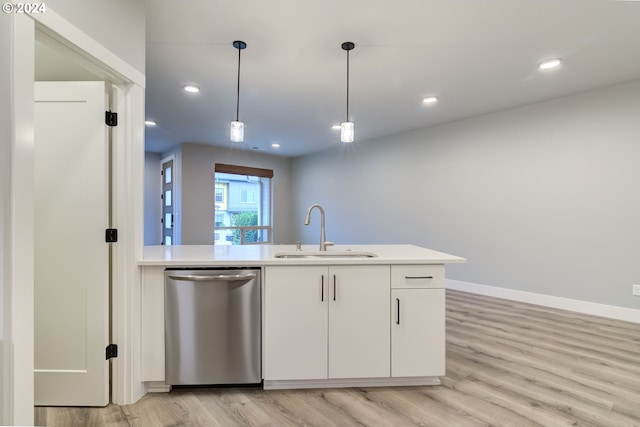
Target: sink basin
[325, 254]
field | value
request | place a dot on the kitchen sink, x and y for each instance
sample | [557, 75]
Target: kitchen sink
[325, 254]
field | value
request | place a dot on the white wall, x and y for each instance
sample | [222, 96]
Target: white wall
[152, 192]
[5, 165]
[542, 198]
[198, 195]
[119, 25]
[17, 64]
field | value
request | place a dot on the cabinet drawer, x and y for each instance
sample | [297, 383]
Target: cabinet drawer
[417, 276]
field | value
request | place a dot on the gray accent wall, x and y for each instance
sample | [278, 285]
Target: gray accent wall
[543, 198]
[197, 194]
[152, 202]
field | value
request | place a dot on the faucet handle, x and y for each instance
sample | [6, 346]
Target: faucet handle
[298, 245]
[329, 243]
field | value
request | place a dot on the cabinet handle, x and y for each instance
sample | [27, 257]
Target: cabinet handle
[398, 311]
[322, 289]
[418, 277]
[334, 287]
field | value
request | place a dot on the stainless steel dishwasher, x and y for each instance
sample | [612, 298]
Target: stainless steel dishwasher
[212, 326]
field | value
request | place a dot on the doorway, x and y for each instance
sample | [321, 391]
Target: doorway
[72, 210]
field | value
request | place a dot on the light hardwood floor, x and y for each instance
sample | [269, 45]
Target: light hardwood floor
[508, 364]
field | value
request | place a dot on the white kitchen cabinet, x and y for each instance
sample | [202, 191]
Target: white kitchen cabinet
[417, 321]
[417, 332]
[152, 324]
[326, 322]
[295, 323]
[310, 340]
[359, 322]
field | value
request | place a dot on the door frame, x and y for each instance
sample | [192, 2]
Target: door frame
[128, 161]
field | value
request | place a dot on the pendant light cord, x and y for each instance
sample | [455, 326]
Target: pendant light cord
[238, 94]
[347, 86]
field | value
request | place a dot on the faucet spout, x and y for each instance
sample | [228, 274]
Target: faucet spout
[307, 221]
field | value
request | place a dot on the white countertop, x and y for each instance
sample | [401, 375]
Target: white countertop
[259, 255]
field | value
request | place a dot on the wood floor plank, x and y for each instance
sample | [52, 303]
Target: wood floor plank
[303, 403]
[567, 347]
[496, 371]
[509, 364]
[110, 415]
[421, 408]
[503, 350]
[554, 328]
[590, 407]
[244, 407]
[174, 409]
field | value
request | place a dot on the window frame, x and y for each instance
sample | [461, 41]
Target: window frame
[245, 171]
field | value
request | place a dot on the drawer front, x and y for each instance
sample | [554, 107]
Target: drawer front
[417, 276]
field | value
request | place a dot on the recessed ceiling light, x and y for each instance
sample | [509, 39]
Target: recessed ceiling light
[150, 122]
[336, 127]
[550, 64]
[430, 100]
[191, 88]
[275, 145]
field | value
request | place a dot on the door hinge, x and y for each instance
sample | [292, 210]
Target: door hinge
[111, 119]
[112, 351]
[111, 235]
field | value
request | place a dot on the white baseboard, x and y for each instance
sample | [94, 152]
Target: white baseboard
[602, 310]
[350, 382]
[157, 387]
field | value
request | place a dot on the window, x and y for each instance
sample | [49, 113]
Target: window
[242, 205]
[247, 196]
[221, 195]
[219, 221]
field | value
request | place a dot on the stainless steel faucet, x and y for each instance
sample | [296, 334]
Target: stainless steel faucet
[307, 220]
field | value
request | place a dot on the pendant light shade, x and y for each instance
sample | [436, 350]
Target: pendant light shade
[346, 132]
[347, 128]
[237, 127]
[237, 131]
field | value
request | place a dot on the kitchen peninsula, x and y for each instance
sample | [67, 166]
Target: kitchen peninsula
[354, 315]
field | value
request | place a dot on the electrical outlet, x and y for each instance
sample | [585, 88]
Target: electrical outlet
[635, 290]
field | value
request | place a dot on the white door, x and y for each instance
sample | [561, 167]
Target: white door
[71, 256]
[359, 321]
[167, 203]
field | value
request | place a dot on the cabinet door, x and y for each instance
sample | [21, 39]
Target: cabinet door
[417, 332]
[295, 323]
[359, 321]
[152, 324]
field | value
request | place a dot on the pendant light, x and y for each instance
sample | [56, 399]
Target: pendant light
[346, 127]
[237, 127]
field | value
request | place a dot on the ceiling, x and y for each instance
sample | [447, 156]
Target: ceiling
[476, 56]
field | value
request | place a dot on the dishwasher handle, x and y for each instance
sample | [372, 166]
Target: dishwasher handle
[212, 277]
